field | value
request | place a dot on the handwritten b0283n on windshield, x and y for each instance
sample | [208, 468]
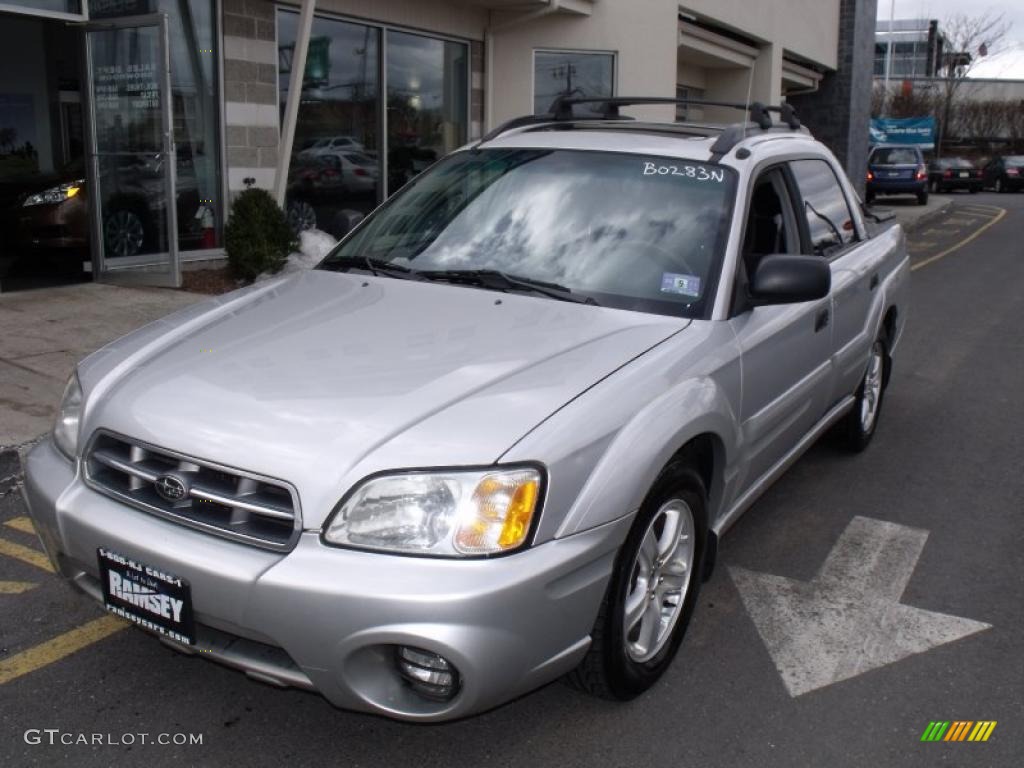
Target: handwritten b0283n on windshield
[697, 172]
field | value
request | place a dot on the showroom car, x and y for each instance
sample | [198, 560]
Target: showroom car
[495, 437]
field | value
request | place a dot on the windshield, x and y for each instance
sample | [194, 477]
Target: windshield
[630, 231]
[895, 156]
[1015, 160]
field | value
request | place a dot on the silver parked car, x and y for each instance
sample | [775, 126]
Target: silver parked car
[495, 436]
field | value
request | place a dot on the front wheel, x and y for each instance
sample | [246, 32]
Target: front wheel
[653, 590]
[859, 425]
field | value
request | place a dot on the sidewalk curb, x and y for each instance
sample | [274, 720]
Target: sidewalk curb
[928, 218]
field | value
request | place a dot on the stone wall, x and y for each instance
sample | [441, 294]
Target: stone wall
[251, 123]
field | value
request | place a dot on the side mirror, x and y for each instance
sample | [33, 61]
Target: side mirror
[782, 279]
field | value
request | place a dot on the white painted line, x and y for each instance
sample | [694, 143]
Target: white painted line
[848, 620]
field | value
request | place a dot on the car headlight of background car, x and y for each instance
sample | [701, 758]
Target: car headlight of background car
[69, 417]
[453, 513]
[57, 194]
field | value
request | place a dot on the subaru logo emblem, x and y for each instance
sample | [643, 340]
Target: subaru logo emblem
[170, 487]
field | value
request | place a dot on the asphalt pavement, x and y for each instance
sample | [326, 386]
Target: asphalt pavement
[934, 628]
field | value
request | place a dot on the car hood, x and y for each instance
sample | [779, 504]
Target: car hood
[326, 377]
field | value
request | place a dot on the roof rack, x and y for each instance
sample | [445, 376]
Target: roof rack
[561, 111]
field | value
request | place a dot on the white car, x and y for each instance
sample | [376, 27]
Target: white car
[330, 144]
[358, 171]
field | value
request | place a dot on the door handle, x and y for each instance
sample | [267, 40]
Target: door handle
[873, 282]
[821, 320]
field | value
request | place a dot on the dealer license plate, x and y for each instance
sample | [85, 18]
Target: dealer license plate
[155, 600]
[964, 175]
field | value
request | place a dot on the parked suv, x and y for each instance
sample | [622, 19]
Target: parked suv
[496, 436]
[897, 171]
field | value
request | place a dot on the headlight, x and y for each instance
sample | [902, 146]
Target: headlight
[56, 194]
[65, 431]
[444, 514]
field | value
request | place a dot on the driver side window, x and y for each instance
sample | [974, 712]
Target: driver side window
[770, 229]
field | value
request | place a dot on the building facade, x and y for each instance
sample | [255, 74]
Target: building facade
[161, 111]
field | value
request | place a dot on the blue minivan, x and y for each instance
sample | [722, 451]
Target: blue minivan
[894, 170]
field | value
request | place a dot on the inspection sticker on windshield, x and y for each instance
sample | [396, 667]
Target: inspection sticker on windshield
[687, 285]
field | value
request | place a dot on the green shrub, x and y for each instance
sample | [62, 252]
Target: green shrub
[257, 237]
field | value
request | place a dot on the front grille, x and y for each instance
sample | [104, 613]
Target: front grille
[220, 500]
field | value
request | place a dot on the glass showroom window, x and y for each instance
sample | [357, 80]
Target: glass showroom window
[335, 162]
[564, 73]
[428, 92]
[195, 112]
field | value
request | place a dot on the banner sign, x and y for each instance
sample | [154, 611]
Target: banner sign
[919, 131]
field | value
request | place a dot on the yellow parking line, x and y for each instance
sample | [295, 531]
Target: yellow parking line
[25, 554]
[23, 524]
[56, 649]
[961, 244]
[16, 587]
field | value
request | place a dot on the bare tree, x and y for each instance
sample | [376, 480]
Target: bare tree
[967, 39]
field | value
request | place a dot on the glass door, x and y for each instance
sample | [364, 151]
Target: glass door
[131, 151]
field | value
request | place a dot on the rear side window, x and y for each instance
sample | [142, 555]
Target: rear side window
[829, 220]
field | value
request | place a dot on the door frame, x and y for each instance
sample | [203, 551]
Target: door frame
[143, 270]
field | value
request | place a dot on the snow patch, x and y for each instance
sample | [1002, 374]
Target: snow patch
[314, 244]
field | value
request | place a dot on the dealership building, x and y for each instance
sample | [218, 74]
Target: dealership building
[127, 126]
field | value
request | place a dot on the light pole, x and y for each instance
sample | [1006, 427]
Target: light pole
[888, 58]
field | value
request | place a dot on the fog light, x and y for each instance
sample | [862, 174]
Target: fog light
[429, 674]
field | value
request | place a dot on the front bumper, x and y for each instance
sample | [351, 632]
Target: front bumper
[327, 619]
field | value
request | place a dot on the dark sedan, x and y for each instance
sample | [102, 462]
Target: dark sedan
[948, 173]
[1005, 174]
[897, 171]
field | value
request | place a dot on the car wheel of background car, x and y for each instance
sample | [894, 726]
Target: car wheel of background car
[922, 197]
[1000, 187]
[653, 591]
[934, 185]
[975, 190]
[301, 216]
[123, 233]
[858, 427]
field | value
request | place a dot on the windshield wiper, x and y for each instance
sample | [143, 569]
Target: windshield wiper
[497, 280]
[376, 267]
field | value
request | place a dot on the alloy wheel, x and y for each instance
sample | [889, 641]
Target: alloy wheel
[301, 216]
[124, 234]
[659, 581]
[872, 396]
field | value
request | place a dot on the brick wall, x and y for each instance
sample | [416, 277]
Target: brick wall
[250, 92]
[839, 113]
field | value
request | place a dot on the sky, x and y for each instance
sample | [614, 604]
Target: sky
[1009, 64]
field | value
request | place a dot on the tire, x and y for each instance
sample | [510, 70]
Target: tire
[859, 425]
[1000, 187]
[934, 185]
[922, 197]
[975, 190]
[124, 233]
[622, 661]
